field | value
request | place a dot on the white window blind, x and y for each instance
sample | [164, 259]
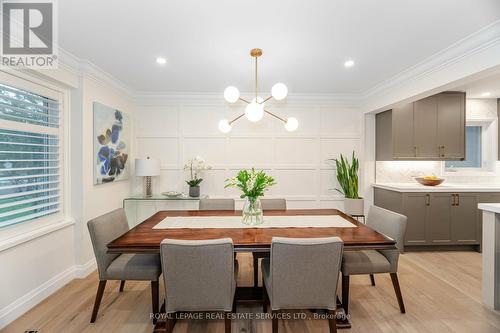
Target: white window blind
[29, 156]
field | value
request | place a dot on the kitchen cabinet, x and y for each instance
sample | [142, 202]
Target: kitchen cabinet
[498, 112]
[464, 210]
[438, 224]
[437, 218]
[451, 125]
[432, 128]
[402, 124]
[425, 128]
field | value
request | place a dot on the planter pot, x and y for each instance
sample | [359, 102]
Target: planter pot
[252, 212]
[354, 206]
[194, 191]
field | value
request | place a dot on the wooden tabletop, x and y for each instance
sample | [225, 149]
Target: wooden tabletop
[144, 239]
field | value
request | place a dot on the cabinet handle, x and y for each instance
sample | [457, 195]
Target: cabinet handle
[415, 150]
[444, 151]
[458, 199]
[453, 201]
[427, 199]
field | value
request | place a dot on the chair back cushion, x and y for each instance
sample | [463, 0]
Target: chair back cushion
[388, 223]
[304, 272]
[198, 274]
[217, 204]
[273, 204]
[104, 229]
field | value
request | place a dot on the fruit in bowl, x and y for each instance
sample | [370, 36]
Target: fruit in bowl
[429, 180]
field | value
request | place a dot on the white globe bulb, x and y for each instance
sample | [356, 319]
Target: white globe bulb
[279, 91]
[231, 94]
[291, 124]
[254, 111]
[224, 126]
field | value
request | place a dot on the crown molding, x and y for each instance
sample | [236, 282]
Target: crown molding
[86, 69]
[475, 53]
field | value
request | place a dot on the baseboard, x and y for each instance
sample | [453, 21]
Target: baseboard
[24, 303]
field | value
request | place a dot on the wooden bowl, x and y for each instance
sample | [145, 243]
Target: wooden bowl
[429, 182]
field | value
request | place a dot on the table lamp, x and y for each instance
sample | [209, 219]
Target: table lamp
[147, 168]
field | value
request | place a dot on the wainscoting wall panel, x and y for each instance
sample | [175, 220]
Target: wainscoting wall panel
[177, 131]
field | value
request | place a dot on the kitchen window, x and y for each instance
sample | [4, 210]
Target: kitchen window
[478, 149]
[30, 155]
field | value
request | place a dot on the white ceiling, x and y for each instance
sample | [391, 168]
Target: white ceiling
[305, 43]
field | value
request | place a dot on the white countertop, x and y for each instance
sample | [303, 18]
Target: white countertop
[445, 187]
[490, 207]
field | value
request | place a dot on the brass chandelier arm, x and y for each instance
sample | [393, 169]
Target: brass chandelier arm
[232, 121]
[275, 116]
[244, 100]
[266, 99]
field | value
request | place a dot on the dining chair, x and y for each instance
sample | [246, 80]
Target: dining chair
[200, 275]
[216, 204]
[266, 204]
[302, 273]
[373, 262]
[273, 204]
[141, 267]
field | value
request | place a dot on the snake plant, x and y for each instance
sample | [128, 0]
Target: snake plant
[347, 176]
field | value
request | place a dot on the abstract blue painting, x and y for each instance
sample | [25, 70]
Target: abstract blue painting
[111, 140]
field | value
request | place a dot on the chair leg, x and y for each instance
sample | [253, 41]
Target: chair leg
[397, 289]
[169, 325]
[255, 270]
[275, 320]
[372, 279]
[98, 298]
[122, 285]
[332, 321]
[155, 299]
[345, 293]
[227, 322]
[265, 299]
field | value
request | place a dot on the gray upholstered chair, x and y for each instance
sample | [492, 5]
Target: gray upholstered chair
[273, 204]
[216, 204]
[267, 204]
[372, 262]
[142, 267]
[302, 273]
[200, 276]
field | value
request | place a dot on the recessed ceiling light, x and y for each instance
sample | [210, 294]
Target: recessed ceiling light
[486, 94]
[349, 63]
[161, 61]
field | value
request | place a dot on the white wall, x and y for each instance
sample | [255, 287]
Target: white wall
[39, 265]
[179, 130]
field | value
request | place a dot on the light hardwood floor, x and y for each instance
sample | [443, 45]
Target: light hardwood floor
[442, 293]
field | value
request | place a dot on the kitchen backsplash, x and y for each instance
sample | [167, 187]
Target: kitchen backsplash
[406, 171]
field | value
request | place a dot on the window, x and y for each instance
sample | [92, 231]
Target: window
[30, 174]
[473, 149]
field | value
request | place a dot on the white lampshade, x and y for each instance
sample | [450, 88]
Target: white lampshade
[291, 124]
[254, 111]
[279, 91]
[224, 126]
[147, 167]
[231, 94]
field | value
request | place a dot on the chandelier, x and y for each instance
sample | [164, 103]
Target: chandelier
[255, 109]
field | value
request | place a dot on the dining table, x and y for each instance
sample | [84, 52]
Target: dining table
[147, 236]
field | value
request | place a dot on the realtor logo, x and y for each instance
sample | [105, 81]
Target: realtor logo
[28, 34]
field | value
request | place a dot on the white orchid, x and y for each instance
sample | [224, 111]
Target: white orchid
[195, 166]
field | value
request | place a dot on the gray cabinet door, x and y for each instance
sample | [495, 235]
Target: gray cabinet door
[464, 220]
[402, 132]
[451, 125]
[425, 117]
[415, 209]
[439, 218]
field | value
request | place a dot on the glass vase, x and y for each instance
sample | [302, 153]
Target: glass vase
[252, 212]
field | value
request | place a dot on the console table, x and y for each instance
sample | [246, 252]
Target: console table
[138, 208]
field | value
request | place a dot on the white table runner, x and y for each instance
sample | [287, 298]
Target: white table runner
[225, 222]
